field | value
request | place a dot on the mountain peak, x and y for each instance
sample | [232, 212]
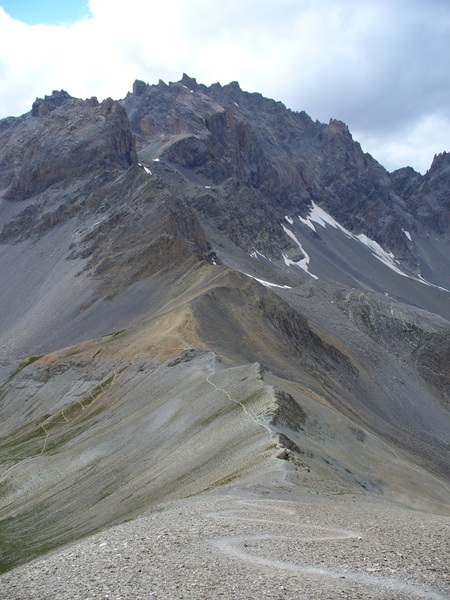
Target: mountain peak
[441, 162]
[43, 106]
[338, 126]
[189, 82]
[139, 87]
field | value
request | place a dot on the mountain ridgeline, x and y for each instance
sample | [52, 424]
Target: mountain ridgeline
[178, 261]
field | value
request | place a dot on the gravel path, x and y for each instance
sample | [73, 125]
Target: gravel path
[249, 542]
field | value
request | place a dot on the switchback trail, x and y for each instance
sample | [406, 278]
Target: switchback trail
[259, 549]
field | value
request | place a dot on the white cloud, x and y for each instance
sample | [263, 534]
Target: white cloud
[379, 65]
[415, 144]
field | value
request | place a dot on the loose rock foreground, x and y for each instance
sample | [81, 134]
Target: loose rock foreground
[251, 541]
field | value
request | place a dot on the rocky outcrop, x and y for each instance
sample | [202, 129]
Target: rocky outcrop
[153, 231]
[258, 154]
[431, 200]
[395, 326]
[427, 195]
[44, 106]
[63, 139]
[287, 413]
[405, 181]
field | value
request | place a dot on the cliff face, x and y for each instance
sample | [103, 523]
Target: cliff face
[62, 139]
[431, 200]
[274, 161]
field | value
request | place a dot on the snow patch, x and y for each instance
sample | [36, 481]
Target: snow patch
[236, 104]
[422, 280]
[385, 257]
[146, 169]
[257, 254]
[319, 216]
[156, 160]
[289, 220]
[267, 283]
[304, 262]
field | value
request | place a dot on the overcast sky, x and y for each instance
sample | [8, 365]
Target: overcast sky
[382, 66]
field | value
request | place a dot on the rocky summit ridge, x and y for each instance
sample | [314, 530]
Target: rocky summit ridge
[198, 286]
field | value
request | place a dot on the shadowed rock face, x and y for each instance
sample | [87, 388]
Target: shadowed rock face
[427, 195]
[277, 161]
[169, 324]
[62, 139]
